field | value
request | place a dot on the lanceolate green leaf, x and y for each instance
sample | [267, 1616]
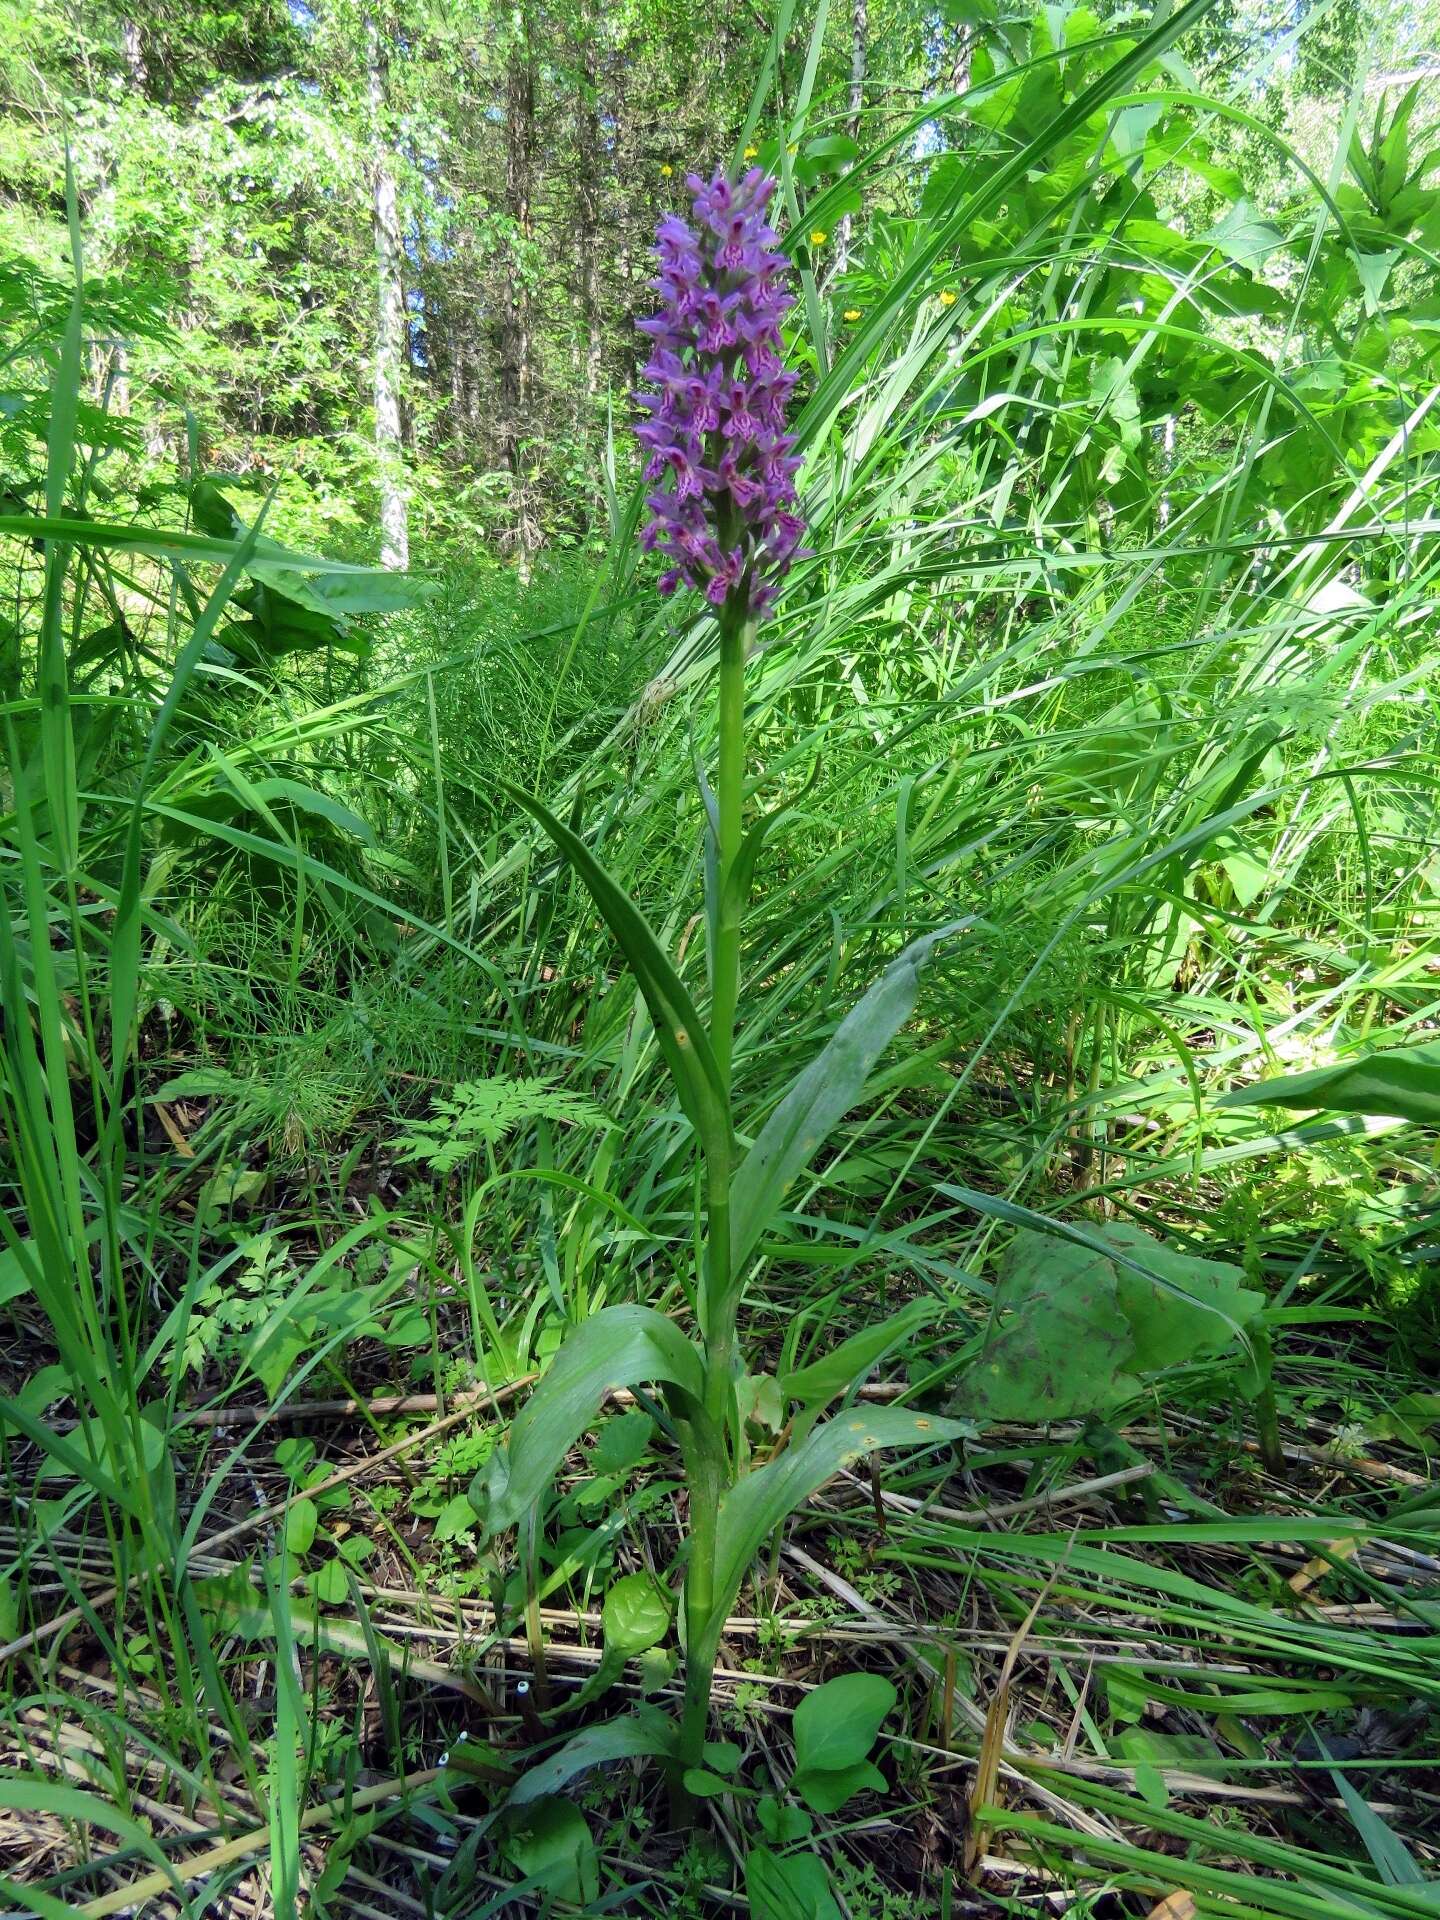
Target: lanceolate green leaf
[1394, 1862]
[338, 585]
[638, 1736]
[331, 590]
[285, 854]
[57, 737]
[830, 1375]
[125, 940]
[23, 1793]
[678, 1026]
[551, 1847]
[756, 1505]
[618, 1347]
[1403, 1082]
[820, 1096]
[788, 1886]
[70, 1458]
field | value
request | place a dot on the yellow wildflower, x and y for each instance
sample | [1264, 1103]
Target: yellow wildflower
[818, 236]
[666, 171]
[752, 153]
[851, 313]
[948, 298]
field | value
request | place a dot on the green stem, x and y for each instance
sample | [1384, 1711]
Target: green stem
[709, 1463]
[718, 1318]
[707, 1476]
[1267, 1413]
[534, 1629]
[736, 630]
[708, 1471]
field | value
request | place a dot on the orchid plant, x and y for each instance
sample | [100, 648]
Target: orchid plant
[723, 513]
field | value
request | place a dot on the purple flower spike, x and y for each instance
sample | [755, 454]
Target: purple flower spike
[714, 438]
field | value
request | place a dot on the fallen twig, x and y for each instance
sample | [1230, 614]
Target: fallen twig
[1007, 1510]
[137, 1892]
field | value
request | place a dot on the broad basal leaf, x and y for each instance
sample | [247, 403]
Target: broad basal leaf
[823, 1379]
[1058, 1343]
[551, 1845]
[789, 1886]
[1074, 1328]
[617, 1347]
[1193, 1308]
[826, 1790]
[756, 1505]
[644, 1734]
[837, 1724]
[835, 1727]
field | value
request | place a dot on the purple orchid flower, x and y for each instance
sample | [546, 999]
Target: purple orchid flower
[723, 512]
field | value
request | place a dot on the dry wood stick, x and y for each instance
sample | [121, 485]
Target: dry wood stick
[1007, 1510]
[154, 1884]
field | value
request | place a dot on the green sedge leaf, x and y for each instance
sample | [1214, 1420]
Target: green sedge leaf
[678, 1026]
[820, 1096]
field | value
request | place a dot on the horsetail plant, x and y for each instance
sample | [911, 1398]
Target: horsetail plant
[723, 512]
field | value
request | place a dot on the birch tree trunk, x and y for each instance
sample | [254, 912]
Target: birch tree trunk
[516, 343]
[855, 104]
[389, 320]
[589, 192]
[111, 359]
[960, 66]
